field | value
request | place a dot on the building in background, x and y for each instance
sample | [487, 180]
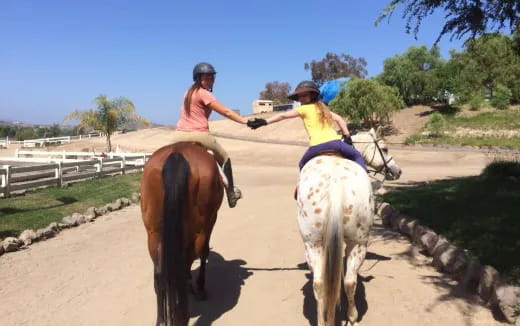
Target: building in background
[260, 106]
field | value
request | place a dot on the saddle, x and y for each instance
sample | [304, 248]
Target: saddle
[328, 152]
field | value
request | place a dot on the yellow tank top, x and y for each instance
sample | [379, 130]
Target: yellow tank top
[317, 132]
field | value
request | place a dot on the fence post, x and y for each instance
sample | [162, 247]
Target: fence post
[59, 175]
[123, 164]
[7, 190]
[63, 155]
[7, 142]
[16, 153]
[100, 167]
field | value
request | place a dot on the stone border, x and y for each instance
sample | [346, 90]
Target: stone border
[28, 237]
[447, 258]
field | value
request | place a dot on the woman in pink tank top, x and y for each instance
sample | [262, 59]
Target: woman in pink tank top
[197, 106]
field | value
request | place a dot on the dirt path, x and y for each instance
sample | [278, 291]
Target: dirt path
[100, 273]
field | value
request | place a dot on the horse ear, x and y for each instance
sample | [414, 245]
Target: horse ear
[372, 132]
[379, 131]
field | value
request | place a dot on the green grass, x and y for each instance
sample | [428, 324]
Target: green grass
[37, 209]
[480, 214]
[503, 119]
[512, 143]
[500, 119]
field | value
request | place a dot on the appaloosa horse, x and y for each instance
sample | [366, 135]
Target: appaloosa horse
[181, 192]
[335, 215]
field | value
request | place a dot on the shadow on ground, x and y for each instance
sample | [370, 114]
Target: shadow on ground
[224, 281]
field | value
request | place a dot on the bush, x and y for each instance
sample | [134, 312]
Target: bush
[476, 101]
[366, 101]
[501, 97]
[436, 124]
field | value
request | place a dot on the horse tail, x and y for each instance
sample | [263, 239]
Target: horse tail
[175, 174]
[333, 251]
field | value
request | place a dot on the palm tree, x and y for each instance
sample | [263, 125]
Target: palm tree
[108, 116]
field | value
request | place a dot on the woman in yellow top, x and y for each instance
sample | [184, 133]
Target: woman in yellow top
[319, 122]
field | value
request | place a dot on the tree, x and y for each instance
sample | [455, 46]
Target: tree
[416, 74]
[335, 66]
[108, 116]
[276, 92]
[367, 101]
[486, 62]
[475, 17]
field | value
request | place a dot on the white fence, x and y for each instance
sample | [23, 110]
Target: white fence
[64, 169]
[42, 142]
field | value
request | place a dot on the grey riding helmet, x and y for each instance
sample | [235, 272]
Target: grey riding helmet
[202, 68]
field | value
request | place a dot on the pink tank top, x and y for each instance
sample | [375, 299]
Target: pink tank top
[197, 119]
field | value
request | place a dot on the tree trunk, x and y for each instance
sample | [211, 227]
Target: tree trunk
[109, 143]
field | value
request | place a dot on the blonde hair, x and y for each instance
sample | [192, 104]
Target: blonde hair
[324, 114]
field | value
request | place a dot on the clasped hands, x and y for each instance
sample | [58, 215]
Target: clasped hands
[256, 123]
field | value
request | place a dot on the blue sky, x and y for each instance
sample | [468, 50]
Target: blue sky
[57, 56]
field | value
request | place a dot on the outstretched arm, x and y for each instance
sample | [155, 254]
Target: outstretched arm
[227, 112]
[341, 123]
[284, 115]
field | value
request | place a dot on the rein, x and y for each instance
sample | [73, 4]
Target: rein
[384, 169]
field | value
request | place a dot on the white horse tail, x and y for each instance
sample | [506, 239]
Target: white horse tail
[333, 251]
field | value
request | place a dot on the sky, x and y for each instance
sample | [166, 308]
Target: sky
[57, 56]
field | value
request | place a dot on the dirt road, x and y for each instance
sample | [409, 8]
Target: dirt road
[100, 273]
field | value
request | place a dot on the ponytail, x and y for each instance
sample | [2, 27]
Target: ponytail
[189, 94]
[325, 115]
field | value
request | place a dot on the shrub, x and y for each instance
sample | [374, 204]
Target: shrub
[501, 97]
[367, 101]
[436, 124]
[476, 101]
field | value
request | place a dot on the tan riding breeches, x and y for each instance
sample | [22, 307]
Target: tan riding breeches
[205, 139]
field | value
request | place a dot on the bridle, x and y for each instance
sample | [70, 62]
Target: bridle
[384, 169]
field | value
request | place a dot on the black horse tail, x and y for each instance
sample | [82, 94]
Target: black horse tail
[173, 278]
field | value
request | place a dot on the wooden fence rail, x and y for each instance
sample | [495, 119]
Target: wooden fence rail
[16, 178]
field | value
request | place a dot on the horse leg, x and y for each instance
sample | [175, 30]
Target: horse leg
[315, 260]
[355, 257]
[155, 250]
[200, 291]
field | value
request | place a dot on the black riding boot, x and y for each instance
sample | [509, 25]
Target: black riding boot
[232, 192]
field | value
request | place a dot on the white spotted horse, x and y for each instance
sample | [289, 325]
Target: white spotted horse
[335, 215]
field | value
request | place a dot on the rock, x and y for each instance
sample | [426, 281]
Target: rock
[408, 225]
[1, 248]
[470, 279]
[27, 237]
[417, 232]
[394, 220]
[443, 256]
[54, 226]
[125, 202]
[45, 233]
[74, 220]
[507, 299]
[458, 265]
[11, 244]
[91, 212]
[108, 207]
[116, 205]
[79, 218]
[67, 222]
[489, 280]
[384, 211]
[135, 197]
[103, 210]
[428, 241]
[441, 245]
[64, 225]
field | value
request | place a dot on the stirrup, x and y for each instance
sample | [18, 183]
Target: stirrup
[233, 196]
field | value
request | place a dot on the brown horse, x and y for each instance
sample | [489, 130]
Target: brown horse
[181, 192]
